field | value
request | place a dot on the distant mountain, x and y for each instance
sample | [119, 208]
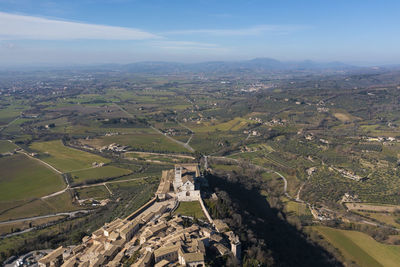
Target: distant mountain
[257, 65]
[254, 65]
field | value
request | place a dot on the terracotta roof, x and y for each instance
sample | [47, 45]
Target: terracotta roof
[193, 257]
[162, 263]
[164, 250]
[187, 177]
[52, 255]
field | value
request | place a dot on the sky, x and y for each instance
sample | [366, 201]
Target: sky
[84, 32]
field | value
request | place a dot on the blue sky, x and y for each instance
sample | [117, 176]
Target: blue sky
[34, 32]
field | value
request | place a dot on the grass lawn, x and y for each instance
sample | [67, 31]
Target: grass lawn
[64, 158]
[25, 178]
[361, 248]
[226, 167]
[98, 173]
[192, 209]
[297, 208]
[6, 146]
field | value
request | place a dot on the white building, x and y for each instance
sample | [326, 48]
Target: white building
[184, 182]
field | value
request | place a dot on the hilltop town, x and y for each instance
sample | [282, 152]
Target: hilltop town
[152, 236]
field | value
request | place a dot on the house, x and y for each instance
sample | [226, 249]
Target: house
[55, 258]
[169, 253]
[129, 229]
[220, 226]
[194, 259]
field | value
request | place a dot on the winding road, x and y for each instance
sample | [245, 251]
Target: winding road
[297, 199]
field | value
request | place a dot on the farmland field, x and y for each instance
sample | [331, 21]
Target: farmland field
[267, 139]
[151, 142]
[37, 207]
[372, 207]
[233, 125]
[361, 248]
[64, 158]
[11, 227]
[157, 158]
[96, 192]
[24, 178]
[388, 218]
[9, 113]
[6, 146]
[98, 173]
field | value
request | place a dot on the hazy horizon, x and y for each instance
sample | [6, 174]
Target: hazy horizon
[47, 32]
[62, 65]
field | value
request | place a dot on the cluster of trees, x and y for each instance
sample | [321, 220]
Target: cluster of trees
[268, 239]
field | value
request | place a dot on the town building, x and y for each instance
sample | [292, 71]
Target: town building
[152, 234]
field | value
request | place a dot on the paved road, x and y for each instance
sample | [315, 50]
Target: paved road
[185, 145]
[41, 161]
[11, 122]
[56, 193]
[298, 192]
[91, 185]
[284, 185]
[261, 167]
[71, 214]
[123, 110]
[109, 182]
[50, 167]
[191, 136]
[308, 204]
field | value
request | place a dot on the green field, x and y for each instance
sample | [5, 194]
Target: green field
[300, 209]
[25, 178]
[98, 173]
[6, 146]
[96, 192]
[9, 113]
[150, 142]
[226, 167]
[388, 218]
[18, 226]
[192, 209]
[232, 125]
[64, 158]
[157, 158]
[37, 207]
[361, 248]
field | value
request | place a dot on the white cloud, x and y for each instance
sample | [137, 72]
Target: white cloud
[18, 27]
[186, 45]
[183, 44]
[255, 30]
